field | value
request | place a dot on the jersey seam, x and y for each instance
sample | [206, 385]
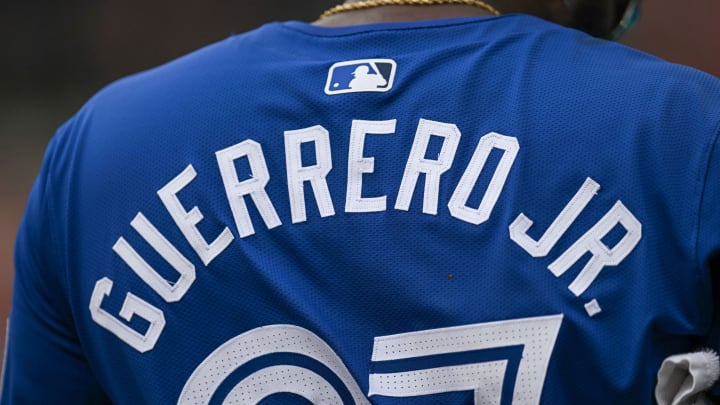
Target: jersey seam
[381, 27]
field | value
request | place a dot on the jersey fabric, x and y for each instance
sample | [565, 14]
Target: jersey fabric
[477, 210]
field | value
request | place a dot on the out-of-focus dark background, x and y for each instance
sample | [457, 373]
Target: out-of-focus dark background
[55, 54]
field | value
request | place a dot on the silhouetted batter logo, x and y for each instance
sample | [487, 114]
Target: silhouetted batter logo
[357, 76]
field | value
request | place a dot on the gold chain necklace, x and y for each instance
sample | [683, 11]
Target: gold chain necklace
[360, 5]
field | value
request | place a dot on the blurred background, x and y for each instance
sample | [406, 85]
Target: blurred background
[56, 54]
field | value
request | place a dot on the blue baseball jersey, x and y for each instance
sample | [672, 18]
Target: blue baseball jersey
[481, 210]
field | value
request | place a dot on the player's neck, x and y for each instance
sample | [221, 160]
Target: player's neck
[399, 14]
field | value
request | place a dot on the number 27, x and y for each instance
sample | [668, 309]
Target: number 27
[403, 364]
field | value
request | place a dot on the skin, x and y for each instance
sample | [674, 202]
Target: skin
[596, 17]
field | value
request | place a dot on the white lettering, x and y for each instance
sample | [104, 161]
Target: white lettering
[187, 221]
[131, 306]
[601, 255]
[170, 292]
[298, 174]
[458, 202]
[433, 169]
[236, 190]
[541, 248]
[359, 165]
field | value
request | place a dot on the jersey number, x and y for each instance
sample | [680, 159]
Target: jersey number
[488, 359]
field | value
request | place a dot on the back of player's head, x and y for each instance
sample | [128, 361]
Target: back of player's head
[603, 18]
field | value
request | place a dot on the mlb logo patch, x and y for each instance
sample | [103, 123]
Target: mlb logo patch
[359, 76]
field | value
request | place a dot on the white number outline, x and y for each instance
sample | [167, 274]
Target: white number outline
[233, 354]
[537, 337]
